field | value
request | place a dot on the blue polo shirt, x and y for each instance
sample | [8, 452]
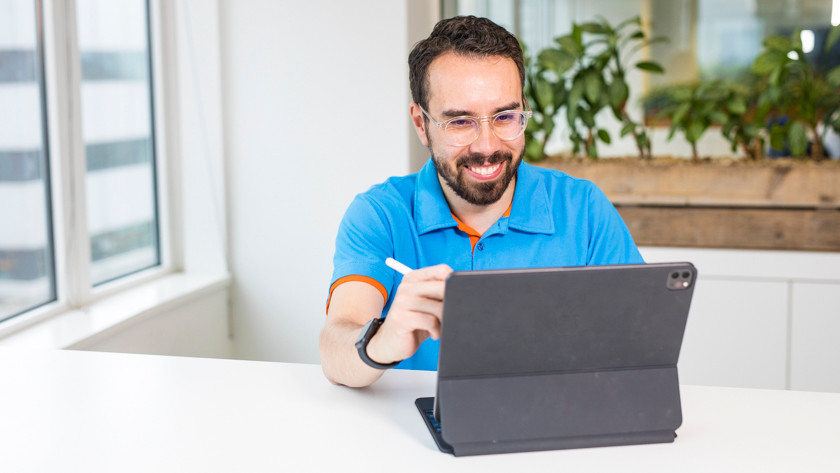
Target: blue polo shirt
[554, 220]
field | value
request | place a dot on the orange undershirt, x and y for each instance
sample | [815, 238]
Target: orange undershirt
[474, 237]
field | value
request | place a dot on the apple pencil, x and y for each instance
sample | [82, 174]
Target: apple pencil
[397, 266]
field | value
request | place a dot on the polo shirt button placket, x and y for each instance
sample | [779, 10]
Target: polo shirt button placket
[480, 246]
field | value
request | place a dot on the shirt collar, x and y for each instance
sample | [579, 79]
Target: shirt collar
[530, 210]
[429, 197]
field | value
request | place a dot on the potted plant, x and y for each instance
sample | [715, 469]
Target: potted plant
[728, 202]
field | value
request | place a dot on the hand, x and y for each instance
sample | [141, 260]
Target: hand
[414, 316]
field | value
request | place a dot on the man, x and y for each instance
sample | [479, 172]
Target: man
[474, 205]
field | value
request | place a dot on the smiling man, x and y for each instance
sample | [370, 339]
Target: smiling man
[474, 205]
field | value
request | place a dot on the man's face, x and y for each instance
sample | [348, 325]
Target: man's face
[480, 172]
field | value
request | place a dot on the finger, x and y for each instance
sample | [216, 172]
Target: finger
[416, 323]
[423, 305]
[433, 290]
[429, 273]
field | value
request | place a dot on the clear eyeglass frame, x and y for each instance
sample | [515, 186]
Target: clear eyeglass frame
[444, 125]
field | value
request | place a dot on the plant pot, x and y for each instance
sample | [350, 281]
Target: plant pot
[721, 203]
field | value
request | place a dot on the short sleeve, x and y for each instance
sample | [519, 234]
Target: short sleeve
[363, 242]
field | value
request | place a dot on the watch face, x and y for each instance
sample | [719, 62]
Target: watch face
[364, 334]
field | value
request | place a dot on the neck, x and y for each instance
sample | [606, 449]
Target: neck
[479, 217]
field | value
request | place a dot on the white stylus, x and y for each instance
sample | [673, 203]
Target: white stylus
[397, 266]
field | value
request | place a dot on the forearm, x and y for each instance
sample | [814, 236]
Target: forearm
[339, 359]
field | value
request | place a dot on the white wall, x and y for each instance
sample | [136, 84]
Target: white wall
[296, 75]
[315, 111]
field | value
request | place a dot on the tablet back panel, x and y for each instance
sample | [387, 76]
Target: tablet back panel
[562, 357]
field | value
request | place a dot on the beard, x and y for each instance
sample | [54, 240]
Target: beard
[478, 193]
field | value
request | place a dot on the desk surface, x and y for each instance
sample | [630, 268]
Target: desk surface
[82, 411]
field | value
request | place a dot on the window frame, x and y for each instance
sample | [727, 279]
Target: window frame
[61, 72]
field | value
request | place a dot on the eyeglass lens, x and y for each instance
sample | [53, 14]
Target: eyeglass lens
[506, 126]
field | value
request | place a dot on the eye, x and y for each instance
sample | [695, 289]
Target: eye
[507, 117]
[461, 123]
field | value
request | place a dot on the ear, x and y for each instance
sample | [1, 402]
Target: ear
[419, 121]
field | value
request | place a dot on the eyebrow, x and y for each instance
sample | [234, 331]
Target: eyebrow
[466, 113]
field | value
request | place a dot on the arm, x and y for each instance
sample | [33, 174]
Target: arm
[414, 316]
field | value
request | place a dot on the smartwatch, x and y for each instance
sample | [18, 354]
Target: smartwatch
[368, 332]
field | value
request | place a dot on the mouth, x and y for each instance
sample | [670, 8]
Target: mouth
[485, 172]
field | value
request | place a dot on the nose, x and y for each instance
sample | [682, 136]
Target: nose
[486, 142]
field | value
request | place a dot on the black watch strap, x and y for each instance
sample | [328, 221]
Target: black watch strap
[364, 338]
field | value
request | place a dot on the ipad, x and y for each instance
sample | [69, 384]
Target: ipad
[536, 359]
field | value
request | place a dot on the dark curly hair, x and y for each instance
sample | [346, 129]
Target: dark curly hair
[465, 35]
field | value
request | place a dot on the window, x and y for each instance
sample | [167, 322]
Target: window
[118, 135]
[95, 210]
[707, 38]
[27, 272]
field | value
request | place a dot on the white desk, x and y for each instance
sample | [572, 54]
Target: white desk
[80, 411]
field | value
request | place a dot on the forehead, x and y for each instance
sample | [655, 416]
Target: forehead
[472, 84]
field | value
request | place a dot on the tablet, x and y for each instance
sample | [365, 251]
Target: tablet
[537, 359]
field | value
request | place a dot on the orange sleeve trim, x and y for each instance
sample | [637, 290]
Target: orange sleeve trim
[355, 277]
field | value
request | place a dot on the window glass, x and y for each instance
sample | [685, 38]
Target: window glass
[27, 272]
[118, 131]
[707, 38]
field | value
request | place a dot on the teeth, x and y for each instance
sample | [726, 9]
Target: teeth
[487, 170]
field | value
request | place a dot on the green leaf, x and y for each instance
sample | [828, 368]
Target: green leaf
[569, 44]
[587, 117]
[779, 43]
[642, 140]
[797, 139]
[767, 61]
[680, 113]
[533, 150]
[695, 131]
[593, 89]
[618, 91]
[602, 59]
[593, 28]
[777, 138]
[548, 126]
[556, 60]
[718, 117]
[833, 77]
[543, 94]
[604, 136]
[832, 38]
[627, 128]
[533, 126]
[636, 20]
[577, 35]
[576, 93]
[650, 66]
[737, 105]
[560, 95]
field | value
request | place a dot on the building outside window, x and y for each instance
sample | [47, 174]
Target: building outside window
[27, 269]
[109, 43]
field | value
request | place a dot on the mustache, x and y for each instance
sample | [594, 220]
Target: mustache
[477, 159]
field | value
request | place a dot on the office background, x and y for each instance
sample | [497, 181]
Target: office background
[274, 115]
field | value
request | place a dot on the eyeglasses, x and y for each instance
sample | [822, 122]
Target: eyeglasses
[461, 131]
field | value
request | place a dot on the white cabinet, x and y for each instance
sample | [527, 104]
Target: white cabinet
[736, 335]
[761, 319]
[815, 337]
